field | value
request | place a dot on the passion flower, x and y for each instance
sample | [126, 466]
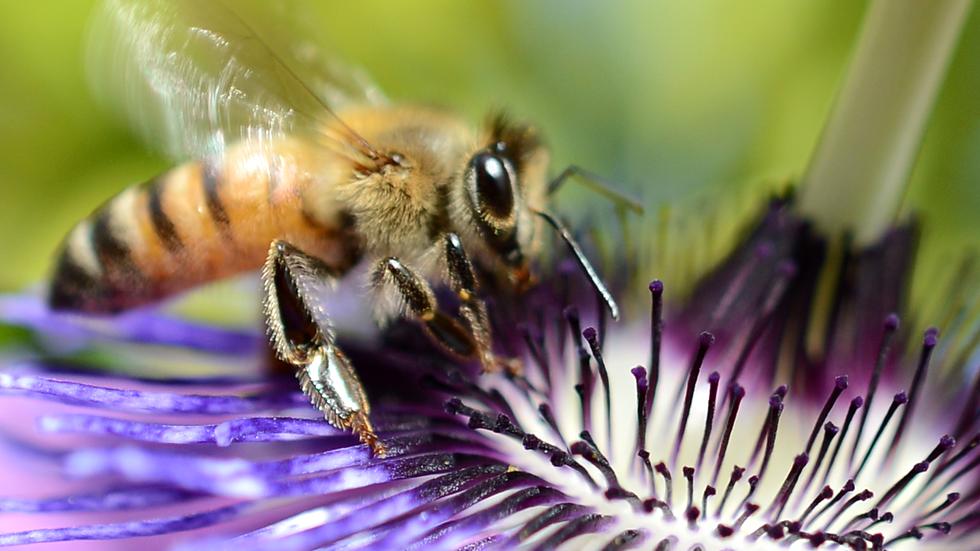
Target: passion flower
[617, 435]
[780, 403]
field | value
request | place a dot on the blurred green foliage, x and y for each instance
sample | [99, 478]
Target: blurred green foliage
[672, 98]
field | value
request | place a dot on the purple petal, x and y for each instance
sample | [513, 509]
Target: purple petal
[312, 519]
[376, 472]
[242, 478]
[252, 429]
[127, 529]
[143, 327]
[224, 477]
[383, 510]
[121, 499]
[454, 533]
[249, 429]
[143, 401]
[406, 529]
[235, 475]
[416, 443]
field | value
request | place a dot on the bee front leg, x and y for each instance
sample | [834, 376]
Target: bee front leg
[300, 333]
[462, 279]
[470, 341]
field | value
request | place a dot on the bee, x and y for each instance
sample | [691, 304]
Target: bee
[291, 167]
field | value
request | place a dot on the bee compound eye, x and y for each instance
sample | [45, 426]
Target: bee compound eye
[494, 190]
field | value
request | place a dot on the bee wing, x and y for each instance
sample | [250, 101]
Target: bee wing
[194, 76]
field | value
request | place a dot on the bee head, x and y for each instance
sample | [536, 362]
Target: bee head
[502, 182]
[491, 188]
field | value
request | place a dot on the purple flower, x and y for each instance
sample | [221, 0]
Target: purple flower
[766, 410]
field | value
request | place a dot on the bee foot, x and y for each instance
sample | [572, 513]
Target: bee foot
[360, 425]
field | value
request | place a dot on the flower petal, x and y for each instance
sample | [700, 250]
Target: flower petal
[144, 401]
[142, 326]
[123, 530]
[119, 499]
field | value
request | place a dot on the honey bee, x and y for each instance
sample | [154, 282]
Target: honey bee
[303, 177]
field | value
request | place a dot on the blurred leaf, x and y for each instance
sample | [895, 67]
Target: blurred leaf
[671, 98]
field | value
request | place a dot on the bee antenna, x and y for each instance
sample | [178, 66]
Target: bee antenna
[583, 262]
[597, 184]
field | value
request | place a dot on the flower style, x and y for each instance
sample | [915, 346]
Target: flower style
[732, 434]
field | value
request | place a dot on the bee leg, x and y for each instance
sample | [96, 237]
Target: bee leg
[469, 341]
[463, 281]
[300, 333]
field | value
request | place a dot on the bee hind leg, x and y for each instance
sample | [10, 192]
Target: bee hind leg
[468, 339]
[300, 333]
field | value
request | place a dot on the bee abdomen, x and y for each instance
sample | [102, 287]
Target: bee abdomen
[110, 261]
[80, 279]
[199, 222]
[146, 243]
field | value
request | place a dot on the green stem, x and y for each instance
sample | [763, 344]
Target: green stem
[858, 172]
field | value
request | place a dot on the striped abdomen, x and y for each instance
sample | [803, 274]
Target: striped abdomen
[199, 222]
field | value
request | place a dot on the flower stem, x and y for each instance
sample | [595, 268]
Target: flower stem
[858, 172]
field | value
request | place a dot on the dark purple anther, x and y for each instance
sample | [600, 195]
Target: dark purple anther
[590, 452]
[890, 327]
[825, 494]
[896, 488]
[748, 510]
[863, 495]
[705, 340]
[639, 374]
[856, 404]
[584, 409]
[840, 384]
[769, 429]
[782, 497]
[736, 475]
[653, 503]
[753, 486]
[592, 338]
[737, 393]
[644, 457]
[929, 341]
[817, 539]
[898, 400]
[776, 532]
[829, 431]
[951, 499]
[663, 471]
[710, 416]
[692, 514]
[709, 491]
[656, 336]
[847, 488]
[575, 327]
[453, 406]
[689, 475]
[945, 444]
[775, 402]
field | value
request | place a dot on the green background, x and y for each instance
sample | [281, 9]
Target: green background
[671, 98]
